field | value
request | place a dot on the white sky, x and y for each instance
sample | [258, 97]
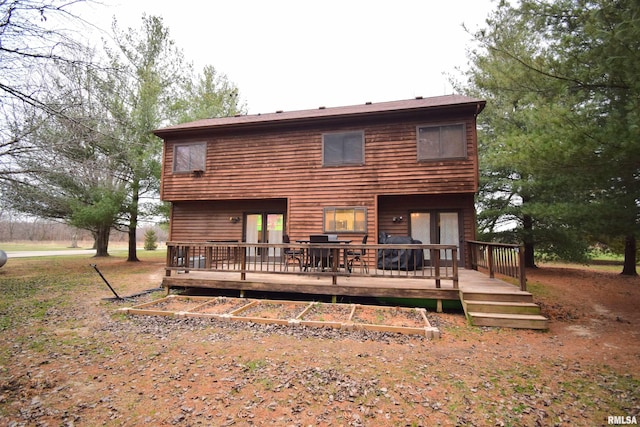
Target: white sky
[296, 54]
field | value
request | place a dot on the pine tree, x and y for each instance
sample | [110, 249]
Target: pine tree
[150, 240]
[560, 137]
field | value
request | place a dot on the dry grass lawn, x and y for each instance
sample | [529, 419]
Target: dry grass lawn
[68, 357]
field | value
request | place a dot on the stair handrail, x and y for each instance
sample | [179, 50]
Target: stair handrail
[502, 258]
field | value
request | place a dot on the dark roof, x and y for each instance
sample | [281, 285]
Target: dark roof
[418, 103]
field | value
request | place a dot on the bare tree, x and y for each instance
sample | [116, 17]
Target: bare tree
[76, 140]
[34, 35]
[72, 171]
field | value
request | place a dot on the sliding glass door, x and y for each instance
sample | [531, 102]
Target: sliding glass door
[263, 228]
[436, 227]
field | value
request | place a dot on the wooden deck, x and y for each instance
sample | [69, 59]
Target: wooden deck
[486, 301]
[356, 286]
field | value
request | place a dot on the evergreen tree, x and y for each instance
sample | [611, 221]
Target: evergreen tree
[150, 240]
[560, 150]
[152, 86]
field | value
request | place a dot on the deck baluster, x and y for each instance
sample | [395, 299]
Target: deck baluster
[243, 258]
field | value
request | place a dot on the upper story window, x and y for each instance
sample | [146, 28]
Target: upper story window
[189, 157]
[345, 220]
[441, 142]
[343, 148]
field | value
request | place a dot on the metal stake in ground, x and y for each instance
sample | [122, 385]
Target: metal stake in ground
[95, 267]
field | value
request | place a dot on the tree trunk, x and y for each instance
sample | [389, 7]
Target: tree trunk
[529, 246]
[133, 255]
[102, 241]
[629, 268]
[133, 222]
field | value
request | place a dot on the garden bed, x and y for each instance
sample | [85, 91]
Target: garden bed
[390, 316]
[393, 319]
[309, 314]
[220, 306]
[269, 311]
[169, 305]
[328, 315]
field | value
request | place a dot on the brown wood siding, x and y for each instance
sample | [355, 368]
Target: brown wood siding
[287, 164]
[210, 220]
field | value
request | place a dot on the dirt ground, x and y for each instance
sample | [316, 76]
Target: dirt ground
[83, 363]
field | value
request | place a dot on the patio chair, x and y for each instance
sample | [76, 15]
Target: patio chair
[357, 255]
[318, 257]
[291, 255]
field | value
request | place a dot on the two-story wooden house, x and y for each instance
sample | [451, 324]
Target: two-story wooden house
[406, 168]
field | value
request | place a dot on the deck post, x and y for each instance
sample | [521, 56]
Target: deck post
[454, 263]
[334, 266]
[473, 255]
[492, 272]
[436, 265]
[167, 272]
[243, 264]
[522, 273]
[208, 250]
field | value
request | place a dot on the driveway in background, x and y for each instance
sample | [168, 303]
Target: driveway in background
[28, 254]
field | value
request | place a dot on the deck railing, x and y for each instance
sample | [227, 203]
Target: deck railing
[500, 258]
[435, 262]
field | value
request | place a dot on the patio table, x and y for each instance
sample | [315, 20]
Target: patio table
[344, 251]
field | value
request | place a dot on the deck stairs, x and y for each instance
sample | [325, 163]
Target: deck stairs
[497, 303]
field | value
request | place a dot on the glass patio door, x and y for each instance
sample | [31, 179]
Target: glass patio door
[448, 228]
[434, 227]
[264, 228]
[421, 229]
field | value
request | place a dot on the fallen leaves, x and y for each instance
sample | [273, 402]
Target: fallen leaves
[67, 359]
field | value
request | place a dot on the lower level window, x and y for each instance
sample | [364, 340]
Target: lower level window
[345, 220]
